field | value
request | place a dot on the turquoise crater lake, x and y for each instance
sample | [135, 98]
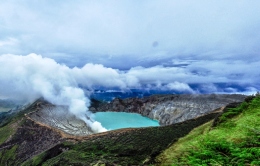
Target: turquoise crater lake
[119, 120]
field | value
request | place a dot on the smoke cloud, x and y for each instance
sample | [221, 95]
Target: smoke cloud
[30, 77]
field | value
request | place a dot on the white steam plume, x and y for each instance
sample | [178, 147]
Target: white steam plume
[32, 76]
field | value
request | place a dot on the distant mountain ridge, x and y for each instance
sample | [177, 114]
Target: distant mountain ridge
[170, 108]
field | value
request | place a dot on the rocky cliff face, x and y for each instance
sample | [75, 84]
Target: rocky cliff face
[59, 118]
[170, 109]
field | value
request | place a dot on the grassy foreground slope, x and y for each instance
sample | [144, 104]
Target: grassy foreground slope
[120, 147]
[231, 139]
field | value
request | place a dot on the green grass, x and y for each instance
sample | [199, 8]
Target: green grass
[9, 129]
[234, 141]
[5, 133]
[35, 160]
[8, 158]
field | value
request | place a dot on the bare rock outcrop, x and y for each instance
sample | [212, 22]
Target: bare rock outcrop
[60, 118]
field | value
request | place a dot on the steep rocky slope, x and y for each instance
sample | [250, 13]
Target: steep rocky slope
[169, 109]
[28, 139]
[59, 118]
[21, 138]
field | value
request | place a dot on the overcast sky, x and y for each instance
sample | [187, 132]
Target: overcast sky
[170, 42]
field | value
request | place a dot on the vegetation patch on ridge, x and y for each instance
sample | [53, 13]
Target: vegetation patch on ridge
[235, 140]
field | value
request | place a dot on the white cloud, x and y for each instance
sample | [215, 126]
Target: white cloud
[33, 72]
[180, 87]
[8, 42]
[109, 32]
[97, 75]
[204, 42]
